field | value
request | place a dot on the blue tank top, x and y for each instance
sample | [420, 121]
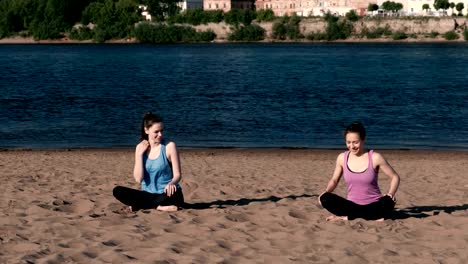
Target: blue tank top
[158, 172]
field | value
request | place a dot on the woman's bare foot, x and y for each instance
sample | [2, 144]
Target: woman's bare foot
[380, 220]
[168, 208]
[336, 218]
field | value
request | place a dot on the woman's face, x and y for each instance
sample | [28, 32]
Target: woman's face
[155, 132]
[354, 143]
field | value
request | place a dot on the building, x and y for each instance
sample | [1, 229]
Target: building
[341, 7]
[190, 4]
[144, 12]
[306, 7]
[227, 5]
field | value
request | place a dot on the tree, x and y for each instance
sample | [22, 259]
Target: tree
[372, 7]
[160, 9]
[114, 20]
[352, 16]
[239, 16]
[398, 7]
[426, 7]
[452, 6]
[392, 6]
[459, 8]
[441, 4]
[265, 15]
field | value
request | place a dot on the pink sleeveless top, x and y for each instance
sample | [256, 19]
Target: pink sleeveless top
[363, 187]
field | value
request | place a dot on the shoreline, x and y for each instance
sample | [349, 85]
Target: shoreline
[239, 149]
[65, 41]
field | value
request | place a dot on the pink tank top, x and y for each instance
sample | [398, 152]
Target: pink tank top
[363, 187]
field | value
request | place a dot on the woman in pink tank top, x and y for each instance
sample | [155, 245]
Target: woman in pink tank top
[360, 169]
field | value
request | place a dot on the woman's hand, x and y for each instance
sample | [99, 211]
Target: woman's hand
[391, 196]
[142, 147]
[170, 189]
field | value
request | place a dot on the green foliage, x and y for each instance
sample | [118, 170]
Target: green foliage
[337, 29]
[247, 33]
[426, 7]
[452, 5]
[372, 7]
[114, 20]
[376, 32]
[92, 13]
[399, 35]
[160, 33]
[266, 15]
[81, 33]
[197, 17]
[51, 18]
[465, 34]
[459, 7]
[433, 34]
[451, 35]
[352, 16]
[239, 16]
[392, 6]
[161, 9]
[317, 36]
[279, 30]
[441, 4]
[287, 28]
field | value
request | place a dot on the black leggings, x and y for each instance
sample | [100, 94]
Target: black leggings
[144, 200]
[340, 206]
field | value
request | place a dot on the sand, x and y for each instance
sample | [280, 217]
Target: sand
[245, 206]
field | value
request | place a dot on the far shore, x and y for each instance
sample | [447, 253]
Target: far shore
[30, 40]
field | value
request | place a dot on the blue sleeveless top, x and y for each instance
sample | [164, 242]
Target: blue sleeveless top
[158, 172]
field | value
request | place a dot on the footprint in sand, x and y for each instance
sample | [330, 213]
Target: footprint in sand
[297, 214]
[110, 243]
[237, 218]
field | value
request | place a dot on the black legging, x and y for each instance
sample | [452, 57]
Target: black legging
[144, 200]
[340, 206]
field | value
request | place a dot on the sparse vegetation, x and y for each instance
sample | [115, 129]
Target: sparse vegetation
[451, 35]
[248, 33]
[399, 35]
[161, 34]
[376, 32]
[287, 28]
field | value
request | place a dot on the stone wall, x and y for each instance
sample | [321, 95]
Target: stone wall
[407, 25]
[416, 26]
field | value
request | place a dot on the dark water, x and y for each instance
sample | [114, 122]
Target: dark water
[225, 95]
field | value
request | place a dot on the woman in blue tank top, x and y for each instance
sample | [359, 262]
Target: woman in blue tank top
[157, 169]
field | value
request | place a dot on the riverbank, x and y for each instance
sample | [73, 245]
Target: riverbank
[416, 29]
[244, 206]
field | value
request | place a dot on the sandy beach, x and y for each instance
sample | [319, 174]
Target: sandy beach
[243, 206]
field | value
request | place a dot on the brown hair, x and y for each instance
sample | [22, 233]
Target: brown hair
[148, 120]
[356, 127]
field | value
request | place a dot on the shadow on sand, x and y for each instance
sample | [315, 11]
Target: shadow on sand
[242, 202]
[425, 211]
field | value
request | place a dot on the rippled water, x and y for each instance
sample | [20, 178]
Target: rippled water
[235, 95]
